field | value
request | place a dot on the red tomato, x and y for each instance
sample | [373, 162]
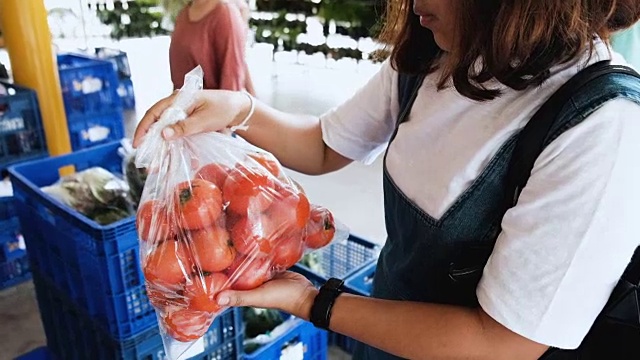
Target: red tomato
[247, 234]
[248, 191]
[268, 162]
[215, 173]
[288, 251]
[187, 325]
[212, 248]
[320, 228]
[168, 264]
[252, 274]
[153, 222]
[198, 204]
[289, 211]
[202, 292]
[162, 297]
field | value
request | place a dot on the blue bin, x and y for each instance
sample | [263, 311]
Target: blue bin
[89, 131]
[96, 266]
[118, 59]
[303, 338]
[11, 243]
[7, 209]
[72, 334]
[14, 272]
[41, 353]
[340, 259]
[127, 95]
[89, 86]
[361, 282]
[21, 131]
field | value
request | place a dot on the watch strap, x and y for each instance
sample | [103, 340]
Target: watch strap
[322, 306]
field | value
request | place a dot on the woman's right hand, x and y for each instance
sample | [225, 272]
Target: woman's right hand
[212, 110]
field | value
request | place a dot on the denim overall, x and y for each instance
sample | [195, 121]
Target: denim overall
[441, 260]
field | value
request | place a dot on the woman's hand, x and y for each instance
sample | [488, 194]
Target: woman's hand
[213, 110]
[289, 292]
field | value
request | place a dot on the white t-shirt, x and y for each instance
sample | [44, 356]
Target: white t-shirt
[572, 234]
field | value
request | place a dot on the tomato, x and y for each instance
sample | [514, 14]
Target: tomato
[252, 274]
[187, 325]
[215, 173]
[153, 222]
[212, 248]
[268, 162]
[320, 229]
[247, 234]
[248, 191]
[162, 297]
[202, 292]
[198, 204]
[168, 264]
[289, 211]
[288, 251]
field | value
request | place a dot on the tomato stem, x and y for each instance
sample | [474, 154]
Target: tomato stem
[185, 196]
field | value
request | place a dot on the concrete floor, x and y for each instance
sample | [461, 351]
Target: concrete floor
[354, 193]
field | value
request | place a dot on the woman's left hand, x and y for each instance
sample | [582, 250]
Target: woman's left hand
[289, 292]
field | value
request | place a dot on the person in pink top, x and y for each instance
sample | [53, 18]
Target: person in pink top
[212, 34]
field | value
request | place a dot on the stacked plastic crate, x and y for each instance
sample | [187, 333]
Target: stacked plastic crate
[21, 139]
[91, 100]
[88, 281]
[341, 260]
[120, 62]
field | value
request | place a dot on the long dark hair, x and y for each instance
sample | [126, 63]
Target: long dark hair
[517, 41]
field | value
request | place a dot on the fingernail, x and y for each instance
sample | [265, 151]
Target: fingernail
[224, 300]
[168, 133]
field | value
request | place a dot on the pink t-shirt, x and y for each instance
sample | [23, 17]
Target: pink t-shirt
[216, 42]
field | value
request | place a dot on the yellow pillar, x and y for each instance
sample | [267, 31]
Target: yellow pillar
[33, 63]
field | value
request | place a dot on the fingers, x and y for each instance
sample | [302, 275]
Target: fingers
[151, 116]
[194, 124]
[232, 298]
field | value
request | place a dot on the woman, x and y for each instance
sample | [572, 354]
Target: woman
[212, 33]
[458, 277]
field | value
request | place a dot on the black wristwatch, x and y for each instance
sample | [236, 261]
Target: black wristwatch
[323, 304]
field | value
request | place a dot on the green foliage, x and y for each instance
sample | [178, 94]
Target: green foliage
[139, 18]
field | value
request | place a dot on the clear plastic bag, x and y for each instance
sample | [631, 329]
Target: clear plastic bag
[216, 213]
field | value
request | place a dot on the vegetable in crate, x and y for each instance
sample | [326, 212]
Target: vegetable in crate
[134, 176]
[216, 213]
[96, 193]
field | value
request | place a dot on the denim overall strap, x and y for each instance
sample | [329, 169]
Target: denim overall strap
[616, 331]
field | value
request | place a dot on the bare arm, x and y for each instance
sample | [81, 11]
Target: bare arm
[407, 329]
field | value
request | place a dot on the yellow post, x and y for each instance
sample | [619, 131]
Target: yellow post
[33, 63]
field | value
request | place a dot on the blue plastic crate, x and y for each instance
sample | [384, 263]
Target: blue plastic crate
[89, 85]
[97, 266]
[14, 272]
[127, 95]
[7, 209]
[89, 131]
[11, 242]
[361, 282]
[41, 353]
[340, 259]
[118, 59]
[72, 334]
[301, 338]
[21, 131]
